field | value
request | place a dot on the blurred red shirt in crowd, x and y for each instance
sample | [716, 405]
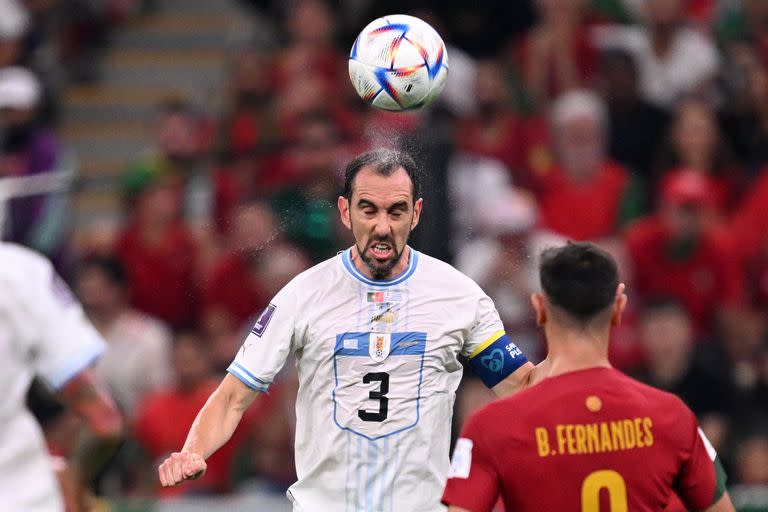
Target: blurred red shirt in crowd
[159, 255]
[583, 210]
[164, 418]
[677, 254]
[749, 237]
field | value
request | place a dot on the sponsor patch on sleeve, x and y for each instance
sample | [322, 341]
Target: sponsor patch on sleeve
[261, 324]
[461, 461]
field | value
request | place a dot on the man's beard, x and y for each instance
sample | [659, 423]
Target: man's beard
[381, 269]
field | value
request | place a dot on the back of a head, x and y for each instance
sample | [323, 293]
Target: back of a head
[579, 279]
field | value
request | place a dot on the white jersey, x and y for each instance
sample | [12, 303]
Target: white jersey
[43, 332]
[378, 365]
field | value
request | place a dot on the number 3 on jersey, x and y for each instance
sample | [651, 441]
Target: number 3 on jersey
[599, 480]
[377, 392]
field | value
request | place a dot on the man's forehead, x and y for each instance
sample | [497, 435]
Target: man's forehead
[371, 185]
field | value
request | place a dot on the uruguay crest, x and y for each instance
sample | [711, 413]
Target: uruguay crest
[379, 346]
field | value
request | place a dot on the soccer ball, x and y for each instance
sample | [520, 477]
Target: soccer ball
[398, 63]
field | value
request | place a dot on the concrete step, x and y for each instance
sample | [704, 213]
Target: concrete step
[208, 78]
[191, 40]
[129, 58]
[207, 6]
[74, 131]
[99, 168]
[105, 200]
[127, 149]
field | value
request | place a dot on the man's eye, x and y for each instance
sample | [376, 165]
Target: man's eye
[369, 211]
[396, 215]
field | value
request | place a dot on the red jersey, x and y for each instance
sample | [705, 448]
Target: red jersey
[708, 278]
[591, 440]
[583, 210]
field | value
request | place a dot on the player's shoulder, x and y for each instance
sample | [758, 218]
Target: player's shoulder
[444, 273]
[22, 262]
[661, 400]
[315, 277]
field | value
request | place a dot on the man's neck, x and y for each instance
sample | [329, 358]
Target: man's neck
[570, 351]
[400, 267]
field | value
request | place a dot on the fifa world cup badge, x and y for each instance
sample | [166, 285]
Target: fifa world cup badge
[379, 346]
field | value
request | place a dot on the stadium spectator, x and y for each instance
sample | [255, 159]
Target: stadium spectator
[163, 418]
[695, 143]
[137, 359]
[634, 124]
[310, 28]
[691, 370]
[558, 55]
[306, 209]
[233, 292]
[744, 115]
[495, 131]
[674, 253]
[29, 147]
[582, 173]
[752, 459]
[178, 154]
[502, 259]
[157, 250]
[14, 23]
[673, 59]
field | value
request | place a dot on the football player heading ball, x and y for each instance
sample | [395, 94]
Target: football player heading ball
[377, 332]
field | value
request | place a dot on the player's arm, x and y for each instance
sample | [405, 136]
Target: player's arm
[214, 426]
[88, 398]
[473, 481]
[701, 480]
[501, 365]
[724, 504]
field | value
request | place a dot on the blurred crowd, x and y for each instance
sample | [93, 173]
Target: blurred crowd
[639, 124]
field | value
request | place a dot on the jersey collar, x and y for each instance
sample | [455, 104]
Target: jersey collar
[346, 258]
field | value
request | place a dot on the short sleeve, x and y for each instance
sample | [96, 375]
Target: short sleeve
[62, 340]
[491, 353]
[267, 346]
[473, 482]
[487, 324]
[701, 481]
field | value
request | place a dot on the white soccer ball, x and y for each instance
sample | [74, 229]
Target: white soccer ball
[398, 63]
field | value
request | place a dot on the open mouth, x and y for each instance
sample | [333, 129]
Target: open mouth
[381, 250]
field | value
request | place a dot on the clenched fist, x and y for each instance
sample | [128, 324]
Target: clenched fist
[179, 467]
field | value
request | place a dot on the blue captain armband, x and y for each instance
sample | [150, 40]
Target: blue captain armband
[496, 359]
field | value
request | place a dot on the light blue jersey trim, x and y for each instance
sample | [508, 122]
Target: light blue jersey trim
[413, 261]
[59, 378]
[245, 379]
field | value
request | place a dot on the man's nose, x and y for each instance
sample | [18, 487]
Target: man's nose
[382, 227]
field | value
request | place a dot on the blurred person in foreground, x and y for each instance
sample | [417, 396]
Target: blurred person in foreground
[377, 332]
[157, 249]
[28, 147]
[137, 359]
[44, 333]
[164, 417]
[673, 59]
[676, 252]
[582, 173]
[603, 434]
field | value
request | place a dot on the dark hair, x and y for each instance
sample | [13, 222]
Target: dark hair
[579, 278]
[383, 162]
[110, 266]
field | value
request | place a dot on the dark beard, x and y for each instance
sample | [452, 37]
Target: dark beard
[381, 270]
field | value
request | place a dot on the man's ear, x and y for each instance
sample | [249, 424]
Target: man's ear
[539, 304]
[417, 206]
[619, 305]
[343, 205]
